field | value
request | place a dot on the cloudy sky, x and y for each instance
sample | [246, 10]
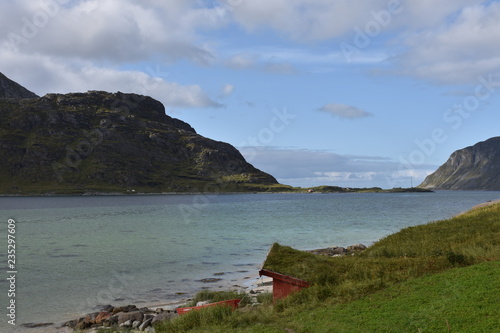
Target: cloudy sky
[338, 92]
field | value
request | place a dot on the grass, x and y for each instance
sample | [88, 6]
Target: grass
[439, 277]
[459, 300]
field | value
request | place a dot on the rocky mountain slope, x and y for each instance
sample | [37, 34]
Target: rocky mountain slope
[11, 89]
[111, 142]
[471, 168]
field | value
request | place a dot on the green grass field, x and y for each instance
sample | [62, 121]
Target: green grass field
[440, 277]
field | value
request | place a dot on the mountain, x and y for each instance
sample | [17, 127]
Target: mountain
[98, 142]
[471, 168]
[11, 89]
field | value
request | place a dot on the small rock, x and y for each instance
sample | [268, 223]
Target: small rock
[112, 321]
[150, 329]
[82, 325]
[128, 323]
[123, 317]
[91, 317]
[159, 310]
[356, 247]
[102, 316]
[108, 308]
[128, 308]
[339, 250]
[164, 316]
[136, 324]
[145, 324]
[201, 303]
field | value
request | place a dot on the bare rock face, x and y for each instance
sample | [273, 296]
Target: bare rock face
[11, 89]
[472, 168]
[111, 142]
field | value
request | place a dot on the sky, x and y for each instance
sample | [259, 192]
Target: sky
[348, 93]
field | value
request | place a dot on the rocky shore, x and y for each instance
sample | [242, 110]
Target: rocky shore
[128, 317]
[335, 251]
[134, 319]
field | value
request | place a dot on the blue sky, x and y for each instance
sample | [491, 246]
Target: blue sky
[333, 92]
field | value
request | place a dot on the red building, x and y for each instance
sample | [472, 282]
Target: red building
[283, 285]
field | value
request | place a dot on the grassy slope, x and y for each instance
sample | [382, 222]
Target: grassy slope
[461, 299]
[439, 277]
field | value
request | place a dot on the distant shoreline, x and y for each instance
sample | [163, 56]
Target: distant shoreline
[294, 190]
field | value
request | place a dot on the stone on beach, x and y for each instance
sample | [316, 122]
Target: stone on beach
[166, 315]
[102, 316]
[356, 247]
[145, 324]
[133, 316]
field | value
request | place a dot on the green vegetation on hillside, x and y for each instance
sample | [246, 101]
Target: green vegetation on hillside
[439, 277]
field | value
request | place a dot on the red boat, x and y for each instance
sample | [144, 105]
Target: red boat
[233, 303]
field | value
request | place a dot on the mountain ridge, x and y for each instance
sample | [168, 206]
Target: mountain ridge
[101, 142]
[475, 167]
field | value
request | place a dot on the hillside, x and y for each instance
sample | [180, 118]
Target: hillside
[472, 168]
[98, 142]
[11, 89]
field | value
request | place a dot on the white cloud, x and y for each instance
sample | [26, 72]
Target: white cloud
[241, 61]
[305, 19]
[227, 90]
[458, 51]
[450, 41]
[44, 74]
[310, 20]
[109, 30]
[453, 41]
[308, 168]
[344, 111]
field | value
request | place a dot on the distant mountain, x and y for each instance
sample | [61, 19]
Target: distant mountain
[11, 89]
[471, 168]
[98, 142]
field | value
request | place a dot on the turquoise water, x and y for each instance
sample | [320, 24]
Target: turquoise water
[75, 253]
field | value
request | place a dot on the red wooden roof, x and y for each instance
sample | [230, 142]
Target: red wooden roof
[284, 278]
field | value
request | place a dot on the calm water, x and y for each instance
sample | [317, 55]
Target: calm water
[74, 253]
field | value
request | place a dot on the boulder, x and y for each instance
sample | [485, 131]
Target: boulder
[82, 325]
[108, 308]
[145, 324]
[338, 250]
[91, 317]
[136, 324]
[133, 316]
[356, 247]
[166, 315]
[102, 316]
[128, 308]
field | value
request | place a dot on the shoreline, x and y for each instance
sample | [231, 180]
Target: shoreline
[251, 285]
[293, 190]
